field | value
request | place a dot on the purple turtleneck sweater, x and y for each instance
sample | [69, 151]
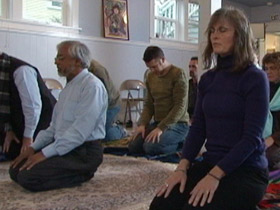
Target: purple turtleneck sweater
[230, 114]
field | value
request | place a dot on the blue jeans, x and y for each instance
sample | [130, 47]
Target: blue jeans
[113, 132]
[171, 140]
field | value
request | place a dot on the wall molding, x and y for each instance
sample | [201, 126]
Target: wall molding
[73, 33]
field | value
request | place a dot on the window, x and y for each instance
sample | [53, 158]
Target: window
[57, 4]
[165, 19]
[193, 22]
[43, 11]
[41, 15]
[175, 20]
[1, 8]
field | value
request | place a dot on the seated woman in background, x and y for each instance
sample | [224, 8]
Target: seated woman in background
[231, 111]
[271, 63]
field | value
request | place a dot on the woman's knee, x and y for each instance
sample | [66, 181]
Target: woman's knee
[175, 200]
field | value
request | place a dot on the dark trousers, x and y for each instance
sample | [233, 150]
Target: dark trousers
[240, 190]
[68, 170]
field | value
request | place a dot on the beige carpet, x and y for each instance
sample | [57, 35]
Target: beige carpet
[122, 183]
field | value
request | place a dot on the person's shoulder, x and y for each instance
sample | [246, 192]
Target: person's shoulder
[10, 58]
[150, 75]
[208, 74]
[253, 71]
[146, 74]
[206, 79]
[92, 80]
[16, 62]
[254, 76]
[176, 69]
[96, 68]
[178, 72]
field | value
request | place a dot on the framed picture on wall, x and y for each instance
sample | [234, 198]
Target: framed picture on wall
[115, 19]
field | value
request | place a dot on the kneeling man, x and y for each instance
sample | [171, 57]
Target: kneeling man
[69, 151]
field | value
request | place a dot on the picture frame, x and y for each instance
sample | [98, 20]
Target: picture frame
[115, 19]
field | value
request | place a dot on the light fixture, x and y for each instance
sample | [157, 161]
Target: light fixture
[269, 3]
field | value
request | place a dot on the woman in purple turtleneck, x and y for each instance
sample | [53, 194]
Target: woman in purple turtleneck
[230, 114]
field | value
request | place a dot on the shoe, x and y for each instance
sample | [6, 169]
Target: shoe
[3, 157]
[118, 122]
[124, 133]
[129, 124]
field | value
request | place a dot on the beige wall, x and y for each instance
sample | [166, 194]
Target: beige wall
[272, 43]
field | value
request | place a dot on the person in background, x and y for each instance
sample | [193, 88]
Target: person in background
[230, 113]
[113, 131]
[26, 105]
[69, 151]
[271, 64]
[166, 103]
[193, 66]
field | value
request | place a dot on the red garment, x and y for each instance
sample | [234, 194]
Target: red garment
[272, 197]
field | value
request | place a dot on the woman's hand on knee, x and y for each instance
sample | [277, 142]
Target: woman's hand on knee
[177, 177]
[204, 191]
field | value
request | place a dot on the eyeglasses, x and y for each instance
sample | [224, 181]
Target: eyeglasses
[221, 29]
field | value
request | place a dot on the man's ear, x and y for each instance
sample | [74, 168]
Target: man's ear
[78, 63]
[162, 60]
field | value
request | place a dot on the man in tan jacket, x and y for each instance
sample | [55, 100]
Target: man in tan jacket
[113, 132]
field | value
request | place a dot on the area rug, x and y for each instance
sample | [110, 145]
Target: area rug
[122, 183]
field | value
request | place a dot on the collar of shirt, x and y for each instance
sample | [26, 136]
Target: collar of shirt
[77, 78]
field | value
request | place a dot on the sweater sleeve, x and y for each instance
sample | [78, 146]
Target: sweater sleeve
[25, 79]
[148, 109]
